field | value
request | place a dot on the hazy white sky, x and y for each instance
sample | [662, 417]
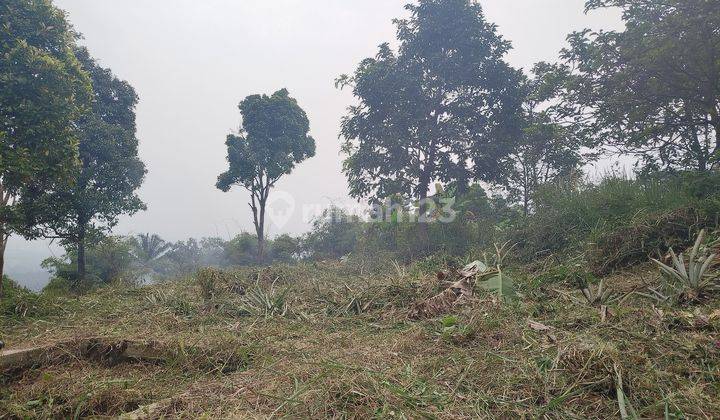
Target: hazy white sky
[191, 62]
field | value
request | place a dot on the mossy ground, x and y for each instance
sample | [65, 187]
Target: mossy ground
[327, 343]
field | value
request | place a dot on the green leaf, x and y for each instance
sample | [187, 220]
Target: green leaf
[501, 284]
[449, 321]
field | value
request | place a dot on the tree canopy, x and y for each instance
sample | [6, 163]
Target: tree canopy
[652, 89]
[545, 150]
[43, 90]
[105, 185]
[273, 139]
[438, 109]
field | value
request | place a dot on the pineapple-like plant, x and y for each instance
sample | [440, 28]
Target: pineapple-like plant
[695, 276]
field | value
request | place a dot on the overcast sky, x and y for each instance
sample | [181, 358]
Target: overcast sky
[191, 62]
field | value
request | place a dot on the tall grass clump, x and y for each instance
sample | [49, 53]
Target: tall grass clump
[20, 302]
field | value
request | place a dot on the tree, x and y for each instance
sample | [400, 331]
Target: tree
[285, 248]
[42, 91]
[652, 89]
[184, 257]
[110, 172]
[149, 248]
[111, 259]
[441, 108]
[240, 250]
[273, 139]
[545, 150]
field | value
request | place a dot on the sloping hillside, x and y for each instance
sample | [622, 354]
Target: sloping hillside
[318, 341]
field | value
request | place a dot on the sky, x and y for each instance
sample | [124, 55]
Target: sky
[192, 62]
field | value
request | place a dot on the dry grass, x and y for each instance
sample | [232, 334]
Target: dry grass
[344, 347]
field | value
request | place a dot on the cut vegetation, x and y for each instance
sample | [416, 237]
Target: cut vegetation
[345, 345]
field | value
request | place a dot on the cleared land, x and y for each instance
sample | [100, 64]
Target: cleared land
[323, 341]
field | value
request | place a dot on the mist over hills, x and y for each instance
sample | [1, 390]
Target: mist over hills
[23, 259]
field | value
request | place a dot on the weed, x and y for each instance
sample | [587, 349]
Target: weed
[451, 330]
[209, 280]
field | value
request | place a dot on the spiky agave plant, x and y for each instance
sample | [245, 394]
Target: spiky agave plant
[268, 303]
[694, 277]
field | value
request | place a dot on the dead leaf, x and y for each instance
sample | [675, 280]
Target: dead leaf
[473, 269]
[538, 326]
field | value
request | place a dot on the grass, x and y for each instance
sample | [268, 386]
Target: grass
[343, 346]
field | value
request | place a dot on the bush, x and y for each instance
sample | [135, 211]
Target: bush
[285, 248]
[571, 215]
[241, 250]
[333, 235]
[19, 302]
[209, 280]
[109, 259]
[644, 237]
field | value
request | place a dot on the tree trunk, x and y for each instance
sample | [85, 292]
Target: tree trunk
[715, 156]
[3, 244]
[260, 229]
[701, 153]
[424, 237]
[81, 269]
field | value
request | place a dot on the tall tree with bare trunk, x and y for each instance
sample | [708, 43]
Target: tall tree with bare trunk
[273, 139]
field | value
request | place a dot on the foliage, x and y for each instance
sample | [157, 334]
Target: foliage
[266, 302]
[184, 257]
[208, 279]
[105, 185]
[42, 91]
[109, 259]
[647, 89]
[241, 250]
[333, 235]
[571, 213]
[597, 296]
[496, 280]
[285, 248]
[500, 284]
[149, 248]
[546, 150]
[273, 139]
[20, 302]
[644, 235]
[441, 108]
[695, 278]
[453, 331]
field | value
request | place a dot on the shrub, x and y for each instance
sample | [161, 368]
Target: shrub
[570, 214]
[284, 248]
[109, 259]
[643, 237]
[334, 234]
[695, 279]
[241, 250]
[209, 280]
[19, 302]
